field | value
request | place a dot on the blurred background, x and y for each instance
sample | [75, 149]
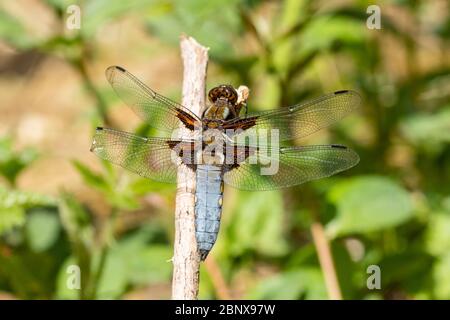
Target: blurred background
[61, 206]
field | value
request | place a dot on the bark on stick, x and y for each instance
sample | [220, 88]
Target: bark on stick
[186, 260]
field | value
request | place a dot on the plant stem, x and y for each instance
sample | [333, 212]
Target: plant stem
[106, 235]
[80, 65]
[326, 260]
[221, 287]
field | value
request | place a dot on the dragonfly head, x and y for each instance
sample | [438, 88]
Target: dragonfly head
[223, 92]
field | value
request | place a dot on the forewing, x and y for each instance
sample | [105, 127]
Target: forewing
[292, 166]
[151, 158]
[158, 111]
[300, 120]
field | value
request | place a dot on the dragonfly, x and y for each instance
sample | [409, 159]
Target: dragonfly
[218, 154]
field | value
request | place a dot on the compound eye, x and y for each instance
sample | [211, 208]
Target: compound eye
[212, 95]
[232, 96]
[229, 93]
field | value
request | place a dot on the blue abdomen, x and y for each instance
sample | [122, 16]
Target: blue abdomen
[208, 206]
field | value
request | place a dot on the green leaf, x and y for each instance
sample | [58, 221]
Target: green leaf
[122, 198]
[441, 276]
[114, 277]
[97, 13]
[76, 221]
[194, 18]
[414, 264]
[367, 204]
[10, 218]
[302, 283]
[134, 265]
[145, 262]
[13, 32]
[326, 30]
[91, 178]
[257, 224]
[150, 265]
[11, 198]
[42, 229]
[61, 4]
[11, 162]
[112, 283]
[143, 186]
[437, 236]
[13, 205]
[431, 132]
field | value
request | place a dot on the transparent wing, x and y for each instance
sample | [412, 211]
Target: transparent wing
[158, 111]
[302, 119]
[292, 166]
[152, 158]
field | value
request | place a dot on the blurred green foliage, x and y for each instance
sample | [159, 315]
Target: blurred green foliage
[11, 162]
[392, 210]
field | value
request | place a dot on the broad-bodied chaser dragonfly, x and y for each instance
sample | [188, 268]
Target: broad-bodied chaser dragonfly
[218, 155]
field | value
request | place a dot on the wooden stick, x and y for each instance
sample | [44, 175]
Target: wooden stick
[186, 260]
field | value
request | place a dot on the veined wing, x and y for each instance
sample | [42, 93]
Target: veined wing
[152, 158]
[158, 111]
[292, 166]
[302, 119]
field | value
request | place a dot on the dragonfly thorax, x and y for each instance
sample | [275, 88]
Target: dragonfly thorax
[221, 109]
